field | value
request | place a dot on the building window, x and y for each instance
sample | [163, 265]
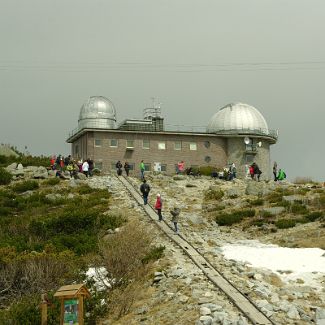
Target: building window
[131, 166]
[99, 165]
[249, 159]
[178, 145]
[130, 143]
[207, 144]
[163, 167]
[193, 146]
[207, 159]
[147, 167]
[98, 142]
[161, 145]
[113, 143]
[145, 144]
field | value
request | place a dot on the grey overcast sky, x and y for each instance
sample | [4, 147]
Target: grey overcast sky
[193, 56]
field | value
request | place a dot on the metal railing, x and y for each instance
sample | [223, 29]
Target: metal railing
[189, 129]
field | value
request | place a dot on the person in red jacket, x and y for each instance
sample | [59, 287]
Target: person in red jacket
[158, 206]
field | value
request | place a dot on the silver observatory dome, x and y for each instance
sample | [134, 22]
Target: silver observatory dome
[238, 118]
[97, 112]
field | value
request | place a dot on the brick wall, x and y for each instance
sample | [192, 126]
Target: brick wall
[207, 146]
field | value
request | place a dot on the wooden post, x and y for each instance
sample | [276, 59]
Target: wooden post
[44, 309]
[81, 310]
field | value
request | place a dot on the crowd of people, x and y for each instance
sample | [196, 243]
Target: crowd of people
[60, 164]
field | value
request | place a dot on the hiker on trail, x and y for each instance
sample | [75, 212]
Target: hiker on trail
[175, 216]
[91, 166]
[180, 167]
[256, 171]
[142, 169]
[52, 162]
[233, 170]
[275, 171]
[127, 168]
[251, 171]
[85, 168]
[282, 175]
[119, 168]
[158, 206]
[145, 189]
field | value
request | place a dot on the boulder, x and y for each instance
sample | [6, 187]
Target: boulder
[53, 197]
[41, 172]
[11, 167]
[274, 210]
[256, 188]
[81, 176]
[293, 198]
[20, 167]
[206, 320]
[205, 311]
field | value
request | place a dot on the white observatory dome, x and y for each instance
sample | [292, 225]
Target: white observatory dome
[97, 112]
[238, 118]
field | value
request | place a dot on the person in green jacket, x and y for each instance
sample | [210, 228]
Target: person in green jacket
[142, 168]
[282, 175]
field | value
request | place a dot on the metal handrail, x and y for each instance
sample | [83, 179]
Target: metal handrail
[194, 129]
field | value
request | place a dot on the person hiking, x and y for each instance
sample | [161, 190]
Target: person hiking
[251, 171]
[257, 171]
[158, 206]
[275, 171]
[145, 189]
[142, 169]
[119, 168]
[282, 175]
[85, 168]
[175, 217]
[127, 168]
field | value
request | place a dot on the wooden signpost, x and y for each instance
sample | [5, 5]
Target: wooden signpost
[72, 304]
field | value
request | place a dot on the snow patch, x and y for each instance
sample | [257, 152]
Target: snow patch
[290, 264]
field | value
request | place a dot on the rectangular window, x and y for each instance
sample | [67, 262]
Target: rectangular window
[193, 146]
[145, 144]
[249, 159]
[163, 167]
[130, 143]
[147, 167]
[178, 145]
[99, 165]
[98, 142]
[131, 166]
[161, 145]
[113, 143]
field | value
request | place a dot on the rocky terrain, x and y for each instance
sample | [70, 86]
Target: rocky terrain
[177, 291]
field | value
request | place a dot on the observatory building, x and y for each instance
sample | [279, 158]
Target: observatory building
[236, 133]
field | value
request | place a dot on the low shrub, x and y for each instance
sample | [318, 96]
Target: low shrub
[285, 223]
[228, 219]
[52, 181]
[313, 216]
[155, 254]
[96, 171]
[298, 208]
[25, 186]
[85, 189]
[266, 214]
[5, 177]
[257, 202]
[123, 253]
[206, 170]
[213, 194]
[257, 222]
